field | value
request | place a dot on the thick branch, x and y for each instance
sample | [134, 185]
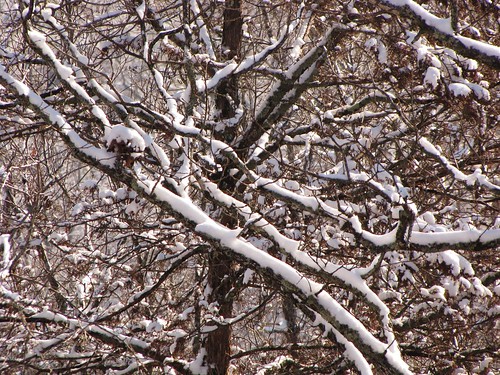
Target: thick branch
[441, 29]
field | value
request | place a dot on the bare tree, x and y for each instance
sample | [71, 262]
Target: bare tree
[245, 187]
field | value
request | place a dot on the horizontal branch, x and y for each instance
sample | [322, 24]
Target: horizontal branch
[442, 30]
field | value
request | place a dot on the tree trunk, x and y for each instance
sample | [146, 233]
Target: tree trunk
[220, 275]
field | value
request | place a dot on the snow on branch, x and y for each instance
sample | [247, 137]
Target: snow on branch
[284, 92]
[48, 17]
[53, 117]
[65, 74]
[203, 29]
[309, 292]
[247, 64]
[101, 332]
[350, 279]
[442, 29]
[465, 239]
[351, 352]
[470, 179]
[6, 258]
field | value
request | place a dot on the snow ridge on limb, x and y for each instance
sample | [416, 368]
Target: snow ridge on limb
[247, 64]
[282, 95]
[442, 29]
[65, 74]
[470, 179]
[349, 278]
[53, 117]
[309, 292]
[469, 239]
[30, 313]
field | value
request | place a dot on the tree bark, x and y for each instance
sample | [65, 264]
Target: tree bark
[220, 275]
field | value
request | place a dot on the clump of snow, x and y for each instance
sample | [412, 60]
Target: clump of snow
[106, 195]
[197, 366]
[88, 184]
[124, 136]
[78, 208]
[121, 194]
[432, 76]
[292, 185]
[132, 208]
[455, 261]
[4, 241]
[382, 52]
[435, 292]
[141, 10]
[156, 326]
[479, 91]
[247, 277]
[275, 365]
[58, 237]
[459, 89]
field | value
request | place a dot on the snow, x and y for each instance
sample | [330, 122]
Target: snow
[135, 366]
[270, 185]
[156, 150]
[487, 49]
[432, 76]
[5, 293]
[455, 237]
[230, 240]
[197, 366]
[204, 35]
[444, 26]
[382, 53]
[479, 91]
[435, 292]
[47, 15]
[470, 179]
[124, 135]
[459, 89]
[43, 345]
[345, 318]
[457, 262]
[247, 276]
[351, 352]
[88, 184]
[389, 191]
[376, 44]
[141, 9]
[177, 333]
[297, 47]
[66, 74]
[6, 262]
[176, 118]
[57, 119]
[39, 40]
[221, 74]
[51, 316]
[253, 60]
[276, 364]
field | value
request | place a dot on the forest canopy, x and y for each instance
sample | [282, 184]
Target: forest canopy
[249, 187]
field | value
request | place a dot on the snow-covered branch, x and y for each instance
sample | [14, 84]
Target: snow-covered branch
[441, 29]
[203, 187]
[470, 179]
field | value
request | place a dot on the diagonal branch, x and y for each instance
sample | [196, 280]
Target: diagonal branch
[442, 30]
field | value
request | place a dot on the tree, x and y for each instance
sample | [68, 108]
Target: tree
[249, 187]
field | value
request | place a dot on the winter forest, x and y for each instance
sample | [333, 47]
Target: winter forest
[249, 187]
